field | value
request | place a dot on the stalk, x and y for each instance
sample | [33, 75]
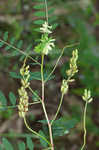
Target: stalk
[43, 105]
[84, 125]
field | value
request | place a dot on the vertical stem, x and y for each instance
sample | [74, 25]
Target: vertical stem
[84, 126]
[43, 105]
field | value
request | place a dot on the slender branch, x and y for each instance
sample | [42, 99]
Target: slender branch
[84, 126]
[49, 148]
[43, 105]
[35, 93]
[59, 60]
[11, 107]
[58, 109]
[17, 49]
[34, 132]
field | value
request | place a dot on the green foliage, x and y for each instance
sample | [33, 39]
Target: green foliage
[21, 146]
[13, 47]
[7, 145]
[3, 99]
[43, 143]
[0, 147]
[41, 14]
[62, 126]
[12, 98]
[30, 144]
[33, 75]
[88, 60]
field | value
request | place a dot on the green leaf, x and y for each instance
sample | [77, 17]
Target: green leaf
[40, 6]
[51, 11]
[37, 29]
[52, 19]
[5, 37]
[7, 145]
[39, 22]
[19, 44]
[1, 44]
[30, 144]
[3, 99]
[40, 14]
[29, 48]
[37, 76]
[15, 75]
[43, 121]
[12, 40]
[21, 146]
[15, 53]
[54, 26]
[1, 148]
[7, 48]
[12, 98]
[35, 97]
[43, 143]
[62, 126]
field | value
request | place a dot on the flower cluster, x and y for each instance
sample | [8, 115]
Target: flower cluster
[64, 87]
[87, 96]
[47, 43]
[73, 64]
[46, 28]
[71, 72]
[23, 101]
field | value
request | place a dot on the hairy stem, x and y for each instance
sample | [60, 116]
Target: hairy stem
[43, 105]
[84, 126]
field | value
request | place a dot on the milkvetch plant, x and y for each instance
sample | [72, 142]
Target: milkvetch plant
[56, 126]
[88, 99]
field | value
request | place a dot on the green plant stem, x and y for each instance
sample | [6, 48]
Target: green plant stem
[15, 106]
[35, 93]
[84, 126]
[17, 49]
[59, 60]
[43, 105]
[58, 109]
[42, 65]
[34, 132]
[17, 135]
[49, 148]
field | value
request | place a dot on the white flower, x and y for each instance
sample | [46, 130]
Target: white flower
[46, 28]
[48, 47]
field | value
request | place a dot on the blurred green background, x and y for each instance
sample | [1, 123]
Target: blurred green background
[74, 21]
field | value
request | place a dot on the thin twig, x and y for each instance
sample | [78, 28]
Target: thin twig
[84, 125]
[43, 105]
[59, 60]
[58, 109]
[20, 51]
[34, 132]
